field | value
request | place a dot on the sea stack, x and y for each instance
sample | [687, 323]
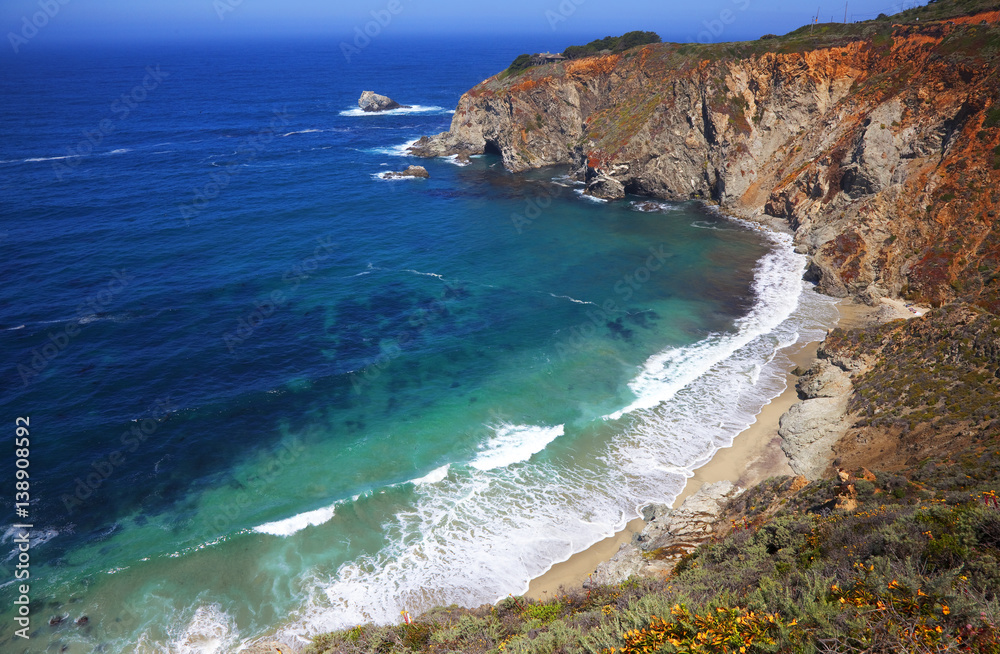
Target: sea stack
[373, 102]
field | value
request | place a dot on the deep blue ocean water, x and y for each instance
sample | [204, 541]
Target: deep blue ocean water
[273, 393]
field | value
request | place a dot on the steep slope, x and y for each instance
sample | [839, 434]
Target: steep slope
[878, 142]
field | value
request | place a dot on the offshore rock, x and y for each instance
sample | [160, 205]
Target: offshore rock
[605, 188]
[373, 102]
[411, 171]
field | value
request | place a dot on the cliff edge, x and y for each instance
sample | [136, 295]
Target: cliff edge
[878, 142]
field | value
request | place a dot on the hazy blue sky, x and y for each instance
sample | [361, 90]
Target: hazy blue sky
[179, 19]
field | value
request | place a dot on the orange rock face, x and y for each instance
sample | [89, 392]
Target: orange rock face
[879, 144]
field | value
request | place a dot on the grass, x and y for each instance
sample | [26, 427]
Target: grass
[913, 568]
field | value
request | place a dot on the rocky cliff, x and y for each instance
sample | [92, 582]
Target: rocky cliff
[878, 142]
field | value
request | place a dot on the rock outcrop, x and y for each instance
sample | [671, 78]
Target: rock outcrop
[605, 188]
[410, 172]
[669, 534]
[373, 102]
[879, 143]
[810, 428]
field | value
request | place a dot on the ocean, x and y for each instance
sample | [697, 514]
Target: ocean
[271, 393]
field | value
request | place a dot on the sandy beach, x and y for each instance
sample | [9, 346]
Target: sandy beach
[754, 456]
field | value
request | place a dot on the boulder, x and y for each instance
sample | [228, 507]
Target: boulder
[412, 171]
[606, 188]
[443, 145]
[824, 380]
[373, 102]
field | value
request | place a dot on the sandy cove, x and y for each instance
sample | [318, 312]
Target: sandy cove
[754, 456]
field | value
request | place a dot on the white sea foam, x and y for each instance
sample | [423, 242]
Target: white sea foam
[395, 150]
[297, 523]
[402, 111]
[40, 159]
[566, 181]
[423, 274]
[651, 206]
[589, 198]
[304, 131]
[36, 538]
[433, 477]
[777, 285]
[514, 444]
[389, 177]
[571, 299]
[210, 631]
[472, 534]
[483, 531]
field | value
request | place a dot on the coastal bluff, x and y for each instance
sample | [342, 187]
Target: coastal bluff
[878, 143]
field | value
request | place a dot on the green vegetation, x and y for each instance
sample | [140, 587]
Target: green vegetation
[612, 44]
[992, 117]
[519, 65]
[914, 567]
[930, 375]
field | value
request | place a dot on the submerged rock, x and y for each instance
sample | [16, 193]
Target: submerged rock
[373, 102]
[412, 171]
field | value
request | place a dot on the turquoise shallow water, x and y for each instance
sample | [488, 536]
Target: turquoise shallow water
[298, 396]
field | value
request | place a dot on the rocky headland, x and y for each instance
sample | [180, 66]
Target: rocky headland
[878, 143]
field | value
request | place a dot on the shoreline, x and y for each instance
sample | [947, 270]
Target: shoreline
[754, 456]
